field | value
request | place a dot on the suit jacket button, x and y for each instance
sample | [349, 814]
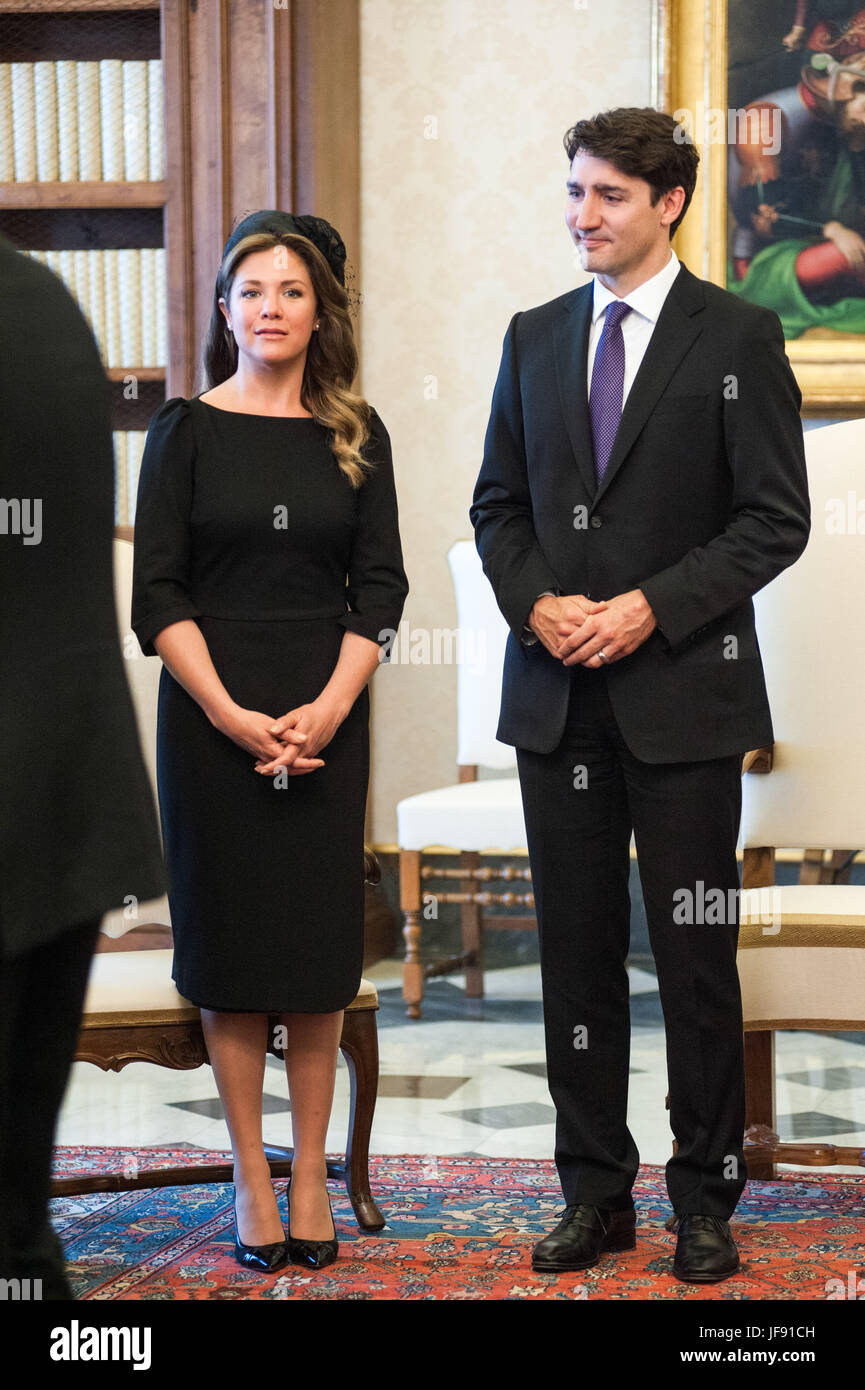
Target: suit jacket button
[596, 522]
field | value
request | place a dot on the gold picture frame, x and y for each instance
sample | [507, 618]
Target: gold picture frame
[689, 66]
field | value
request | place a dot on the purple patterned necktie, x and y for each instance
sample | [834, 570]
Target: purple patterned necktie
[608, 385]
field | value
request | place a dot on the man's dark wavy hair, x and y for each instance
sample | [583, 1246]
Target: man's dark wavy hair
[640, 142]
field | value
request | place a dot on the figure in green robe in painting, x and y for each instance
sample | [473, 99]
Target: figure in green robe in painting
[798, 202]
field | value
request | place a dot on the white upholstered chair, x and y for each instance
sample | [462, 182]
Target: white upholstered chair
[802, 947]
[133, 1012]
[470, 816]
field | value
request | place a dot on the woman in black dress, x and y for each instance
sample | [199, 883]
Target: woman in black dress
[268, 571]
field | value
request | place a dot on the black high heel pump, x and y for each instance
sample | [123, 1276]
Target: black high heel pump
[312, 1254]
[267, 1258]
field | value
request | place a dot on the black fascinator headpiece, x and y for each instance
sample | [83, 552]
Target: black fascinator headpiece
[322, 235]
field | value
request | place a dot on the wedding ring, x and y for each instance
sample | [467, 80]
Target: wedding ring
[602, 654]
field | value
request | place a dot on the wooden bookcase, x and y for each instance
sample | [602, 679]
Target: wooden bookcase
[261, 110]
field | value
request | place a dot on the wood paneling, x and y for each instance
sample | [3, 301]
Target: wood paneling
[263, 110]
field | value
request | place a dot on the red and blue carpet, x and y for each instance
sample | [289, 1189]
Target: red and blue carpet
[457, 1228]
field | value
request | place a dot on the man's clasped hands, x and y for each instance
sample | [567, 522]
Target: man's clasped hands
[575, 629]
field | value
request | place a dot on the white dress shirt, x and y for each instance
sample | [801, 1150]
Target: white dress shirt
[646, 302]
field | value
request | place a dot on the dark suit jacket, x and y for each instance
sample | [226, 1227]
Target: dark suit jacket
[705, 500]
[78, 827]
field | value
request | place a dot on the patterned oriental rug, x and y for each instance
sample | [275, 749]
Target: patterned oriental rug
[457, 1228]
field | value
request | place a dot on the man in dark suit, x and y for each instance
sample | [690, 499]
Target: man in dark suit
[78, 827]
[643, 477]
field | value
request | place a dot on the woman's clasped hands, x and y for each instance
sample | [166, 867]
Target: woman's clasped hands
[291, 742]
[302, 733]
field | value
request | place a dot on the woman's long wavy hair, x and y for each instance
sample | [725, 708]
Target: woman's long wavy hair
[331, 358]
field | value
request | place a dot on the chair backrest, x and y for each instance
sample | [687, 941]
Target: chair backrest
[810, 632]
[142, 674]
[480, 650]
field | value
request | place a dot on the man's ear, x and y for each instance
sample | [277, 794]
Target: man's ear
[673, 209]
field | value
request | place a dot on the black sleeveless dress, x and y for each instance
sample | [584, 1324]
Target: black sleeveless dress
[246, 524]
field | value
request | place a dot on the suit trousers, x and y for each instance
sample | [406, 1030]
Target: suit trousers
[581, 803]
[41, 997]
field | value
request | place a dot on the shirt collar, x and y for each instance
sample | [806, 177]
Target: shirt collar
[647, 299]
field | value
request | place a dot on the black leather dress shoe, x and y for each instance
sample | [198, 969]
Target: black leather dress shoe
[583, 1233]
[705, 1250]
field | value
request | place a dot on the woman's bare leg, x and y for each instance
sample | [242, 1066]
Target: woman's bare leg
[236, 1044]
[311, 1051]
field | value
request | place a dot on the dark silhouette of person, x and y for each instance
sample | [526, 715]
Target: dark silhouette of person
[78, 828]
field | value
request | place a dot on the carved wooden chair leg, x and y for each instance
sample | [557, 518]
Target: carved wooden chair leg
[759, 1097]
[412, 971]
[471, 930]
[359, 1046]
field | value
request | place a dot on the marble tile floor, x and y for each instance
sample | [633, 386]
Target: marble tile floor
[469, 1077]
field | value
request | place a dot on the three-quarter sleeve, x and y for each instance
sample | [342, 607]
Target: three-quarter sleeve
[161, 564]
[377, 584]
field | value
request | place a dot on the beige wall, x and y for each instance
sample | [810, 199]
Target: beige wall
[464, 104]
